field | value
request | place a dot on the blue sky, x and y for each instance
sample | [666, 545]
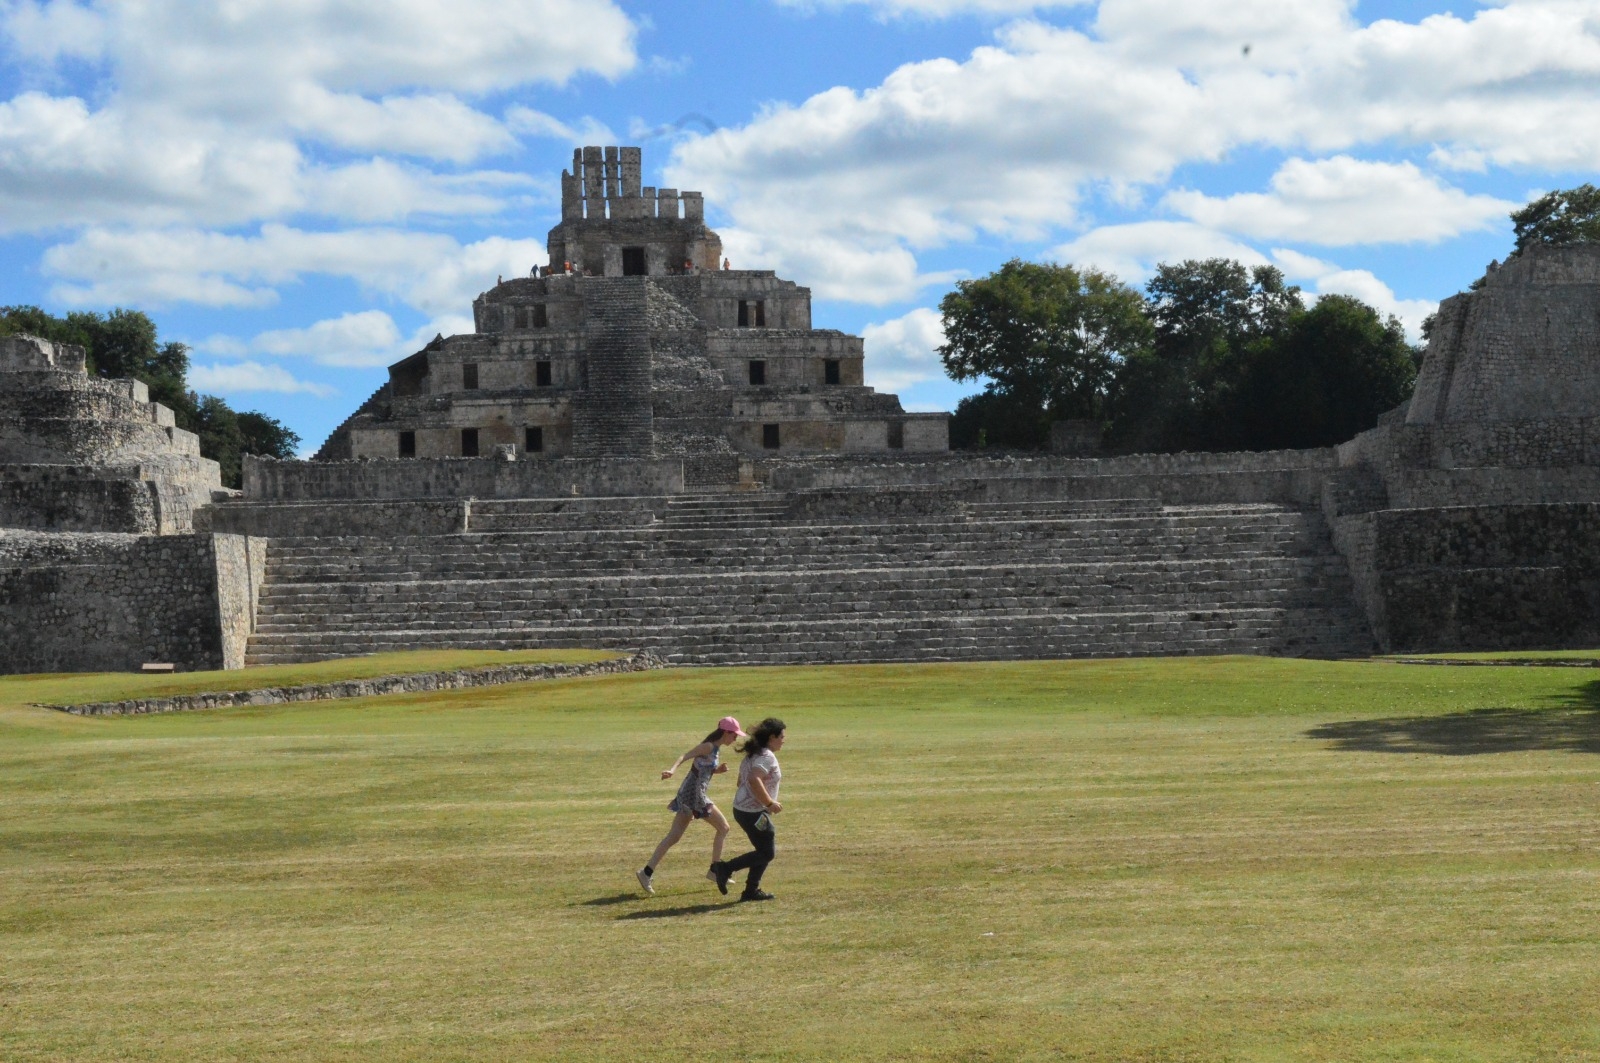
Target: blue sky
[306, 190]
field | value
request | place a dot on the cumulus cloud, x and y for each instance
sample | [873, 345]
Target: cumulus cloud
[935, 8]
[1342, 201]
[1012, 139]
[904, 351]
[234, 378]
[356, 340]
[1132, 251]
[238, 112]
[431, 272]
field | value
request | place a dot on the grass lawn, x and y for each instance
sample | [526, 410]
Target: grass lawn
[1159, 860]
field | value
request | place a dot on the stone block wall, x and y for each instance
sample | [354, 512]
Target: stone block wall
[1277, 475]
[1477, 577]
[109, 602]
[455, 478]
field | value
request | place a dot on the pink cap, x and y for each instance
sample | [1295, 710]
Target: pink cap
[728, 723]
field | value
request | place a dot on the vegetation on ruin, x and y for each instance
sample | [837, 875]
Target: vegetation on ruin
[1567, 216]
[1228, 358]
[1184, 859]
[124, 344]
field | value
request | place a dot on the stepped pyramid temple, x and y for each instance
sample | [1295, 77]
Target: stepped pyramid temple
[638, 448]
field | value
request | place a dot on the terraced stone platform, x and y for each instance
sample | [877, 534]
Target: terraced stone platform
[738, 580]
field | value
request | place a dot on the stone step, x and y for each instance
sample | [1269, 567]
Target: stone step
[1325, 632]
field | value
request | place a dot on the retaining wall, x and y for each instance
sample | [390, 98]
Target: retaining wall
[488, 477]
[110, 602]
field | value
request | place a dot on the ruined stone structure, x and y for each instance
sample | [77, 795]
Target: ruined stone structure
[634, 344]
[625, 492]
[79, 453]
[98, 488]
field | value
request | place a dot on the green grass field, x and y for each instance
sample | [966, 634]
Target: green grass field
[1225, 859]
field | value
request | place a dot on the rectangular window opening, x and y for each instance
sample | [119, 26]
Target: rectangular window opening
[897, 435]
[830, 371]
[520, 319]
[469, 376]
[769, 436]
[408, 444]
[541, 316]
[633, 263]
[752, 312]
[758, 372]
[541, 374]
[533, 439]
[469, 442]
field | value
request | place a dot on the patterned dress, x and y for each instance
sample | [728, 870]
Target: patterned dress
[692, 792]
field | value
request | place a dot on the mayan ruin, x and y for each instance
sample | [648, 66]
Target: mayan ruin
[641, 448]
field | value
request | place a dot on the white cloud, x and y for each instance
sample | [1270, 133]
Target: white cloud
[236, 377]
[1342, 201]
[1132, 251]
[935, 8]
[366, 338]
[431, 272]
[203, 112]
[1325, 278]
[903, 352]
[1010, 140]
[362, 339]
[589, 130]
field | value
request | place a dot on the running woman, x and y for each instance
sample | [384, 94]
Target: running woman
[691, 803]
[754, 805]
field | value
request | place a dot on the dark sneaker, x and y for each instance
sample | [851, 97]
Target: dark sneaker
[755, 895]
[720, 875]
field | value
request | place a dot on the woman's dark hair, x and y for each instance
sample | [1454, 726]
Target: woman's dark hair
[765, 732]
[715, 736]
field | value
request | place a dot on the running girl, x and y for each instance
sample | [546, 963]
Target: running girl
[754, 805]
[692, 802]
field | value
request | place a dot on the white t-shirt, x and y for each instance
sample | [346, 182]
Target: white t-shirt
[764, 765]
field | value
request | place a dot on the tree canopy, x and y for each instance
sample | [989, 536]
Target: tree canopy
[1206, 313]
[1215, 356]
[124, 343]
[1571, 216]
[1047, 338]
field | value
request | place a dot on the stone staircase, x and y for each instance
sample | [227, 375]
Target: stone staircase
[731, 580]
[611, 417]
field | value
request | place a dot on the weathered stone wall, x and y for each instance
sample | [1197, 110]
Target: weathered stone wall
[241, 566]
[108, 602]
[76, 498]
[1525, 346]
[444, 478]
[1266, 475]
[1482, 577]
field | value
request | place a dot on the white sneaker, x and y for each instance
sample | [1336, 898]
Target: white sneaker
[645, 883]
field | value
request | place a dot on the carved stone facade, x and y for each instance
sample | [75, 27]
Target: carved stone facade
[633, 342]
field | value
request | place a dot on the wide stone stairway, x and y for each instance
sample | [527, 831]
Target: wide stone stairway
[734, 580]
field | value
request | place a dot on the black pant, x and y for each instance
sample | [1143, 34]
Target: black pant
[766, 847]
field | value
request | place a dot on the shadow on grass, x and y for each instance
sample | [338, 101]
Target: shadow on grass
[1571, 725]
[616, 898]
[670, 913]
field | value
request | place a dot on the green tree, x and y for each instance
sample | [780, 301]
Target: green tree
[990, 419]
[1206, 314]
[1046, 338]
[1571, 216]
[1325, 377]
